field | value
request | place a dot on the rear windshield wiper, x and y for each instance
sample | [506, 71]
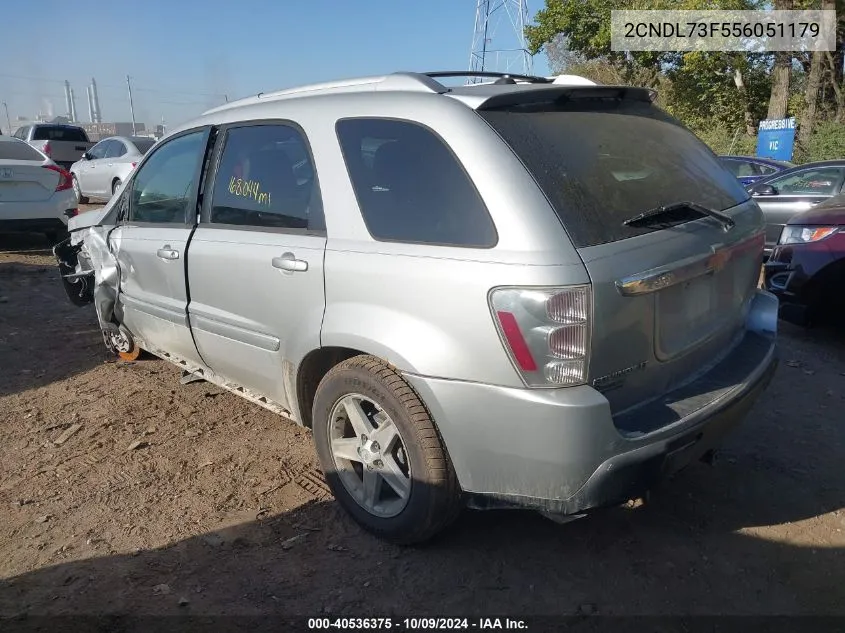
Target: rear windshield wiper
[652, 216]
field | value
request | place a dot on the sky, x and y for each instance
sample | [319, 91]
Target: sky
[185, 56]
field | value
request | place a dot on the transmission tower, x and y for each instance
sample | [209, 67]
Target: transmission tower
[498, 40]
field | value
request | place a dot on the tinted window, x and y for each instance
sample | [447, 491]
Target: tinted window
[819, 180]
[766, 170]
[59, 133]
[602, 161]
[265, 178]
[143, 145]
[163, 188]
[116, 149]
[410, 187]
[16, 150]
[740, 168]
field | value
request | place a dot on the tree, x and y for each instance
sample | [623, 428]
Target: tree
[779, 98]
[811, 93]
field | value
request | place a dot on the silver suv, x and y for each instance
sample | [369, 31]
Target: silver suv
[524, 293]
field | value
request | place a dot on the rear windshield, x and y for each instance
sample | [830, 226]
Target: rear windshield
[600, 162]
[59, 133]
[143, 144]
[18, 150]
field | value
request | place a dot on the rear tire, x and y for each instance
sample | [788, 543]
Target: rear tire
[78, 191]
[433, 497]
[115, 186]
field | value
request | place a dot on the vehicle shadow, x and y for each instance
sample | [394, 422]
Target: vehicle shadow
[761, 533]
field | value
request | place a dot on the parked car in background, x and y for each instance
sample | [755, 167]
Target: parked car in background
[36, 195]
[749, 169]
[533, 295]
[103, 168]
[795, 190]
[807, 267]
[64, 144]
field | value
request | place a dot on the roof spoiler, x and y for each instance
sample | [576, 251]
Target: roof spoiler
[567, 93]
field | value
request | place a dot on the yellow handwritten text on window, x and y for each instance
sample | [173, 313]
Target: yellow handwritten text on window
[249, 189]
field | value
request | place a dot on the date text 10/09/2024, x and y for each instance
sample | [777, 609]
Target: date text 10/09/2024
[417, 624]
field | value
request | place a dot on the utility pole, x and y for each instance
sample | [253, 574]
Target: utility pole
[8, 120]
[131, 106]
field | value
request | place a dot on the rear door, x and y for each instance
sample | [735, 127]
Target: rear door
[256, 259]
[152, 241]
[669, 295]
[796, 192]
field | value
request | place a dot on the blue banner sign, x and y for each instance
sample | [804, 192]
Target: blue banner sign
[775, 138]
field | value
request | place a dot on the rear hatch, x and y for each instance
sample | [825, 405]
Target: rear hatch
[65, 144]
[670, 292]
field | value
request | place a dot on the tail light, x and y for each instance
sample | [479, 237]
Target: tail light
[65, 179]
[546, 332]
[47, 149]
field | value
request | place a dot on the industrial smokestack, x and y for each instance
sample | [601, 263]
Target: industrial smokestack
[90, 104]
[96, 99]
[73, 106]
[67, 100]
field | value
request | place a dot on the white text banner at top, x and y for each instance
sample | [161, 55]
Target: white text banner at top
[741, 31]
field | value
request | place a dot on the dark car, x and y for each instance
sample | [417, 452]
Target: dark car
[794, 191]
[749, 169]
[806, 269]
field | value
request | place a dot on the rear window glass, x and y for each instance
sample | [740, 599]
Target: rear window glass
[143, 145]
[410, 186]
[18, 150]
[600, 162]
[59, 133]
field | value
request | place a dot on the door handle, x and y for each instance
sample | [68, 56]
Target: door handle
[167, 253]
[289, 263]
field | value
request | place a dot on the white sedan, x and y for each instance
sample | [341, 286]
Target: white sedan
[36, 195]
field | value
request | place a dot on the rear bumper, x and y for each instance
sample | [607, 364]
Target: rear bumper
[561, 450]
[37, 217]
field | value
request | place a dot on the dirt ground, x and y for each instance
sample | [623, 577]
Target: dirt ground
[124, 492]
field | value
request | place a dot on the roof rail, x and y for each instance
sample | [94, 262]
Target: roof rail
[503, 78]
[397, 81]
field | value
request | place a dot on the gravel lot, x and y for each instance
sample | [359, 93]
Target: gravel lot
[123, 491]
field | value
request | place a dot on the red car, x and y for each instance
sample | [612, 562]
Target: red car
[806, 269]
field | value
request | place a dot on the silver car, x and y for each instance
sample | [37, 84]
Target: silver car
[107, 165]
[525, 294]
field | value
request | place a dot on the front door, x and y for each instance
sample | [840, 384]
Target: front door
[87, 172]
[256, 259]
[154, 236]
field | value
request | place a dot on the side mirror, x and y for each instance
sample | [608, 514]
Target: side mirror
[86, 156]
[764, 190]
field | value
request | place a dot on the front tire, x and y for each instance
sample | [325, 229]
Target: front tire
[115, 186]
[381, 453]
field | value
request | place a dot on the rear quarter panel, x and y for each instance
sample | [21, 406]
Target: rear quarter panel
[421, 307]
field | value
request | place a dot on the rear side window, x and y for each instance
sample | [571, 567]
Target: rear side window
[59, 133]
[410, 187]
[16, 150]
[265, 178]
[602, 161]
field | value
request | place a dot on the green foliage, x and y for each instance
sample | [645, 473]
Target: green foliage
[699, 88]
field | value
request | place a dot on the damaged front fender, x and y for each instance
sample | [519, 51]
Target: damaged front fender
[89, 269]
